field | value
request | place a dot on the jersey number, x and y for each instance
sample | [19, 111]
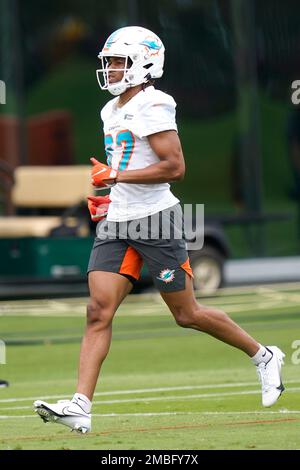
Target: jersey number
[124, 139]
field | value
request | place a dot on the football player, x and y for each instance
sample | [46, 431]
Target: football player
[143, 156]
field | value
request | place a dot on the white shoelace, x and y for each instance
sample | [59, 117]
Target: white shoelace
[263, 376]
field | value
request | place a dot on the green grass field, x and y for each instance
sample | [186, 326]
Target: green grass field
[162, 387]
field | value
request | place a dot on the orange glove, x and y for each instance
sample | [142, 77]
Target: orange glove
[102, 175]
[98, 207]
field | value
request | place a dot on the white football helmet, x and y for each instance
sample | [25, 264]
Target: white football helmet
[144, 58]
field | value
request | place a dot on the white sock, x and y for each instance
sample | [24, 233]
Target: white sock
[82, 401]
[263, 355]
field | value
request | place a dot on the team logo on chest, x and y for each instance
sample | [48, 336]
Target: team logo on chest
[166, 275]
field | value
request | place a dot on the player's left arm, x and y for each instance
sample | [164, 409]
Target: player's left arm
[171, 166]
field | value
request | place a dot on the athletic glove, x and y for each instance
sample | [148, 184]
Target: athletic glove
[98, 207]
[102, 175]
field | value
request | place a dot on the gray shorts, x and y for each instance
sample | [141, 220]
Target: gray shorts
[157, 240]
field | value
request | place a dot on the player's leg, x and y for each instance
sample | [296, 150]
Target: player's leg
[168, 262]
[107, 290]
[113, 267]
[188, 313]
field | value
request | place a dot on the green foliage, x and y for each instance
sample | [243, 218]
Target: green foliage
[73, 87]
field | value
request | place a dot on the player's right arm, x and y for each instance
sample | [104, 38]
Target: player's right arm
[171, 166]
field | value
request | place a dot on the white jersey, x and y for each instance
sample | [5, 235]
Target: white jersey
[127, 148]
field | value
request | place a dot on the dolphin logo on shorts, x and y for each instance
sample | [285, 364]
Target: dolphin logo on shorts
[166, 275]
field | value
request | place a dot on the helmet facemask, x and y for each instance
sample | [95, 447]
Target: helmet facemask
[116, 88]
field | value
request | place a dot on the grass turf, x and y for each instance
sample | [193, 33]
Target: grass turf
[161, 387]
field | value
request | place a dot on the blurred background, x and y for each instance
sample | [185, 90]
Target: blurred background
[230, 65]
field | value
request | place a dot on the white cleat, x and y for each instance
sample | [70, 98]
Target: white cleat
[64, 412]
[269, 375]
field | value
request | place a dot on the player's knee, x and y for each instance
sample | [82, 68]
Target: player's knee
[184, 317]
[98, 314]
[183, 321]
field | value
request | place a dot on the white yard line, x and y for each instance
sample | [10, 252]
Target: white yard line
[232, 299]
[173, 413]
[126, 310]
[186, 397]
[146, 390]
[165, 398]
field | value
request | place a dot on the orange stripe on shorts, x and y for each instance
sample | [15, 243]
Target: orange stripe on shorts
[186, 266]
[132, 263]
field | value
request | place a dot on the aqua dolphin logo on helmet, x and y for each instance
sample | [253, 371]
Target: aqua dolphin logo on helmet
[110, 41]
[143, 52]
[152, 44]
